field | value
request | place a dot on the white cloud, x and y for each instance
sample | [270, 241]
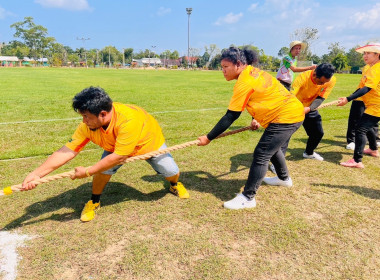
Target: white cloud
[253, 7]
[330, 27]
[229, 19]
[163, 11]
[369, 18]
[4, 13]
[71, 5]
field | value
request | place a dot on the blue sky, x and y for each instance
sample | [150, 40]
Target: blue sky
[141, 24]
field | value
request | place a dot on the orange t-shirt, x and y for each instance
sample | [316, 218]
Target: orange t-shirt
[132, 131]
[306, 90]
[265, 98]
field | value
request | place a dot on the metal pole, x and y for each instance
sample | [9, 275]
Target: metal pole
[188, 10]
[85, 53]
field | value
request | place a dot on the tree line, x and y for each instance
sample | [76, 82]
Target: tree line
[32, 40]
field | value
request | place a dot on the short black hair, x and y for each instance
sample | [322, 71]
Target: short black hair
[324, 70]
[92, 99]
[245, 56]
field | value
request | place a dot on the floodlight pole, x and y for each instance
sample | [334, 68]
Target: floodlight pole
[85, 53]
[188, 10]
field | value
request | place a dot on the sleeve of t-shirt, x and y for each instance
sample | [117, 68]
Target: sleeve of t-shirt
[287, 62]
[128, 137]
[79, 139]
[242, 93]
[373, 77]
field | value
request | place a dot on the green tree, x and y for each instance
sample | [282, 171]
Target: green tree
[15, 48]
[110, 56]
[339, 62]
[307, 35]
[215, 62]
[315, 58]
[212, 50]
[283, 51]
[93, 58]
[174, 55]
[56, 54]
[128, 54]
[354, 59]
[34, 36]
[334, 49]
[73, 59]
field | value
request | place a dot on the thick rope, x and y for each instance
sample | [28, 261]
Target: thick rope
[332, 103]
[9, 190]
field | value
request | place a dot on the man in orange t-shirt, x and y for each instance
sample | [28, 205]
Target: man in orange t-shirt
[122, 131]
[312, 88]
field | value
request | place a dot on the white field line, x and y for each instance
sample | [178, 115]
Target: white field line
[14, 159]
[8, 253]
[70, 119]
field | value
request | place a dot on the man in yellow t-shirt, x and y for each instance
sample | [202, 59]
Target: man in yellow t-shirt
[122, 131]
[312, 88]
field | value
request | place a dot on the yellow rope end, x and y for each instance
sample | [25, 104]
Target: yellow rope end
[7, 191]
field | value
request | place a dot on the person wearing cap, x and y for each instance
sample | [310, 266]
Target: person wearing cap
[289, 64]
[369, 90]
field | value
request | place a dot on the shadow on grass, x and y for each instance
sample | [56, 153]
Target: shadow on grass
[331, 156]
[203, 181]
[366, 192]
[76, 198]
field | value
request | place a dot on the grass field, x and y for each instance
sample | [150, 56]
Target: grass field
[325, 227]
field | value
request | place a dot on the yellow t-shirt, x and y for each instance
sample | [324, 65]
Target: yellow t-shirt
[265, 98]
[132, 131]
[371, 78]
[306, 90]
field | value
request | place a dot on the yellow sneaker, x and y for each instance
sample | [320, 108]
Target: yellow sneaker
[88, 212]
[179, 190]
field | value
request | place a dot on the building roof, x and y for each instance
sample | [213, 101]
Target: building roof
[9, 58]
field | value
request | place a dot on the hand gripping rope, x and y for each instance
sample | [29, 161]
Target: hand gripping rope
[335, 102]
[9, 190]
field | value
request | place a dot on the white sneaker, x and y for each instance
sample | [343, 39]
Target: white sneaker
[275, 181]
[240, 202]
[350, 146]
[378, 143]
[271, 168]
[313, 156]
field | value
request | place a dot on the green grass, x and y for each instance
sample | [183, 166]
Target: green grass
[325, 227]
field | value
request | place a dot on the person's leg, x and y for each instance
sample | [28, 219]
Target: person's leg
[356, 111]
[314, 129]
[376, 131]
[274, 136]
[99, 182]
[366, 123]
[166, 166]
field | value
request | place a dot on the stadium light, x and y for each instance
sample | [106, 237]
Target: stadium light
[85, 52]
[188, 10]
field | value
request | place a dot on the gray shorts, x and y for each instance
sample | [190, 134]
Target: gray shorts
[162, 164]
